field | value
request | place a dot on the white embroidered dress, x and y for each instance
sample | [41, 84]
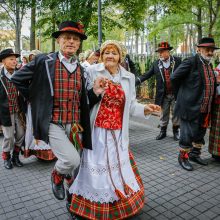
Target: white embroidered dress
[98, 165]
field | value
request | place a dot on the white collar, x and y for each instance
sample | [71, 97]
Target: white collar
[63, 58]
[7, 74]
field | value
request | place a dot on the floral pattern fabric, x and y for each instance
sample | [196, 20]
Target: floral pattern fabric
[110, 114]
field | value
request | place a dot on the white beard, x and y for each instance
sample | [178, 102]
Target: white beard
[208, 59]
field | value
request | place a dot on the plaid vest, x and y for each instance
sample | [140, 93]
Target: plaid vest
[167, 81]
[12, 96]
[67, 93]
[209, 89]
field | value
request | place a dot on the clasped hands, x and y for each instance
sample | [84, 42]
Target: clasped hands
[152, 109]
[100, 85]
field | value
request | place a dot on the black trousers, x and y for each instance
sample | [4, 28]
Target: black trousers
[191, 131]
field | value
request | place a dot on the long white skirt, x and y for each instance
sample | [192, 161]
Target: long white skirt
[93, 180]
[30, 142]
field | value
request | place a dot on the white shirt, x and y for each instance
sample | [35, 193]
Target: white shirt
[85, 64]
[166, 63]
[70, 66]
[7, 74]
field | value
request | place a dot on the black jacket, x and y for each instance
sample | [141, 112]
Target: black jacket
[5, 118]
[35, 81]
[157, 69]
[188, 82]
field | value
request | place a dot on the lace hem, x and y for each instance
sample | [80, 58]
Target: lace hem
[102, 195]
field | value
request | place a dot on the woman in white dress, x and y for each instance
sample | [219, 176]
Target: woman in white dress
[108, 185]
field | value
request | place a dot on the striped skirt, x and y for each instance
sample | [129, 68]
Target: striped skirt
[214, 136]
[120, 209]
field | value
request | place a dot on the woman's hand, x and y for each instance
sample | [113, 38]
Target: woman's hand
[152, 109]
[100, 85]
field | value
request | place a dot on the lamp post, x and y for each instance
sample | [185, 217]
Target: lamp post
[99, 23]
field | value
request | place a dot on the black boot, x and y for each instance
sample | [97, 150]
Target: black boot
[16, 161]
[57, 185]
[194, 156]
[217, 158]
[183, 160]
[15, 157]
[162, 134]
[8, 164]
[6, 156]
[69, 181]
[176, 135]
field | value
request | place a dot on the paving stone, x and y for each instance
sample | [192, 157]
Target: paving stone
[171, 192]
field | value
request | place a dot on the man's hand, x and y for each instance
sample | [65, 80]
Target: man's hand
[100, 85]
[152, 109]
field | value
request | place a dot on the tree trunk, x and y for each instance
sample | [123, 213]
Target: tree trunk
[155, 37]
[142, 43]
[53, 39]
[18, 28]
[136, 41]
[199, 25]
[33, 22]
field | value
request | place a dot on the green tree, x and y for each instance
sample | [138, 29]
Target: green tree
[15, 10]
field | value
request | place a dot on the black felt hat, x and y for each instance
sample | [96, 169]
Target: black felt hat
[207, 42]
[7, 53]
[71, 27]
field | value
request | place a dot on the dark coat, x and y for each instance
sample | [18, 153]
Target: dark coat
[5, 118]
[35, 81]
[158, 70]
[188, 82]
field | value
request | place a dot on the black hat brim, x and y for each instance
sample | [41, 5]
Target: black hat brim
[3, 56]
[214, 47]
[56, 34]
[160, 49]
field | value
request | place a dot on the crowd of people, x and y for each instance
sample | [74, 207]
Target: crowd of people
[78, 112]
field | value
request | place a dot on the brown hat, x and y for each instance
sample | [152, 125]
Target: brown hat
[207, 42]
[7, 53]
[163, 46]
[71, 27]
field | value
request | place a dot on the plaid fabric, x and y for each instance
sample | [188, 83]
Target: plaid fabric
[41, 154]
[111, 211]
[67, 92]
[217, 99]
[214, 136]
[168, 82]
[6, 155]
[209, 89]
[12, 96]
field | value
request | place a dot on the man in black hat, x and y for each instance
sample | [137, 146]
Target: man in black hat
[54, 85]
[10, 107]
[194, 84]
[162, 69]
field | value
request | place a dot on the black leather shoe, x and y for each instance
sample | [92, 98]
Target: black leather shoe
[58, 189]
[8, 164]
[161, 135]
[217, 158]
[16, 161]
[184, 162]
[198, 159]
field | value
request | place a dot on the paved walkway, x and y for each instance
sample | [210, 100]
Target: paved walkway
[171, 192]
